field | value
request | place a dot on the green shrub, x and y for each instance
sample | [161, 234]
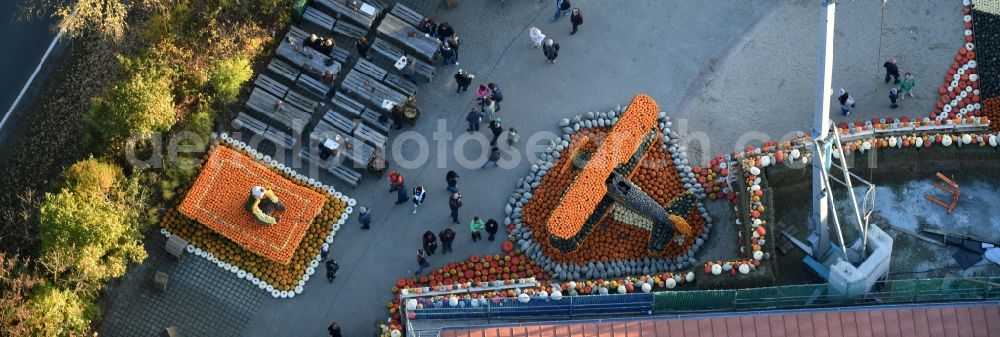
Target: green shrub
[59, 312]
[99, 226]
[92, 176]
[140, 104]
[227, 76]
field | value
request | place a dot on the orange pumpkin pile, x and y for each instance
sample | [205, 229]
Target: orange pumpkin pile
[217, 198]
[588, 188]
[612, 240]
[991, 106]
[283, 276]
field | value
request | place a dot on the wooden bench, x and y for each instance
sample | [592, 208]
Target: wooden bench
[313, 86]
[370, 69]
[399, 83]
[349, 30]
[289, 115]
[345, 104]
[406, 14]
[270, 85]
[340, 54]
[250, 123]
[423, 69]
[280, 138]
[369, 90]
[301, 101]
[318, 18]
[283, 70]
[297, 33]
[175, 246]
[337, 120]
[348, 175]
[370, 136]
[387, 51]
[377, 121]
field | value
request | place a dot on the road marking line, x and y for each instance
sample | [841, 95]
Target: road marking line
[32, 78]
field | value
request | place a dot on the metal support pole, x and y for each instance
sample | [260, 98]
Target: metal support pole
[821, 128]
[850, 192]
[826, 186]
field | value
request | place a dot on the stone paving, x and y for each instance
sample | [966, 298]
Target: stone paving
[668, 49]
[201, 298]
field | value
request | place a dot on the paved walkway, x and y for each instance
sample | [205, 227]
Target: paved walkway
[671, 50]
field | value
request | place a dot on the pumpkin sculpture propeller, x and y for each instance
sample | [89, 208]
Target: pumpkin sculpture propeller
[263, 204]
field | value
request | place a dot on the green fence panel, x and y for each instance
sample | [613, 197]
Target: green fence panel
[813, 295]
[704, 300]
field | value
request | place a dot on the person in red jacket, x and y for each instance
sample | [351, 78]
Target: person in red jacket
[395, 181]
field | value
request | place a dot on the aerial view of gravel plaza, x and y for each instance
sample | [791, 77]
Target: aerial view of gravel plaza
[423, 168]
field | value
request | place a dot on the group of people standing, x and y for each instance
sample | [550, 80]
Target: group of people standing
[900, 88]
[446, 235]
[549, 47]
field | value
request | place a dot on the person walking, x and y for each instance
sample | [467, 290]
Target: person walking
[474, 117]
[497, 129]
[491, 227]
[481, 93]
[331, 269]
[489, 109]
[576, 19]
[365, 217]
[476, 227]
[906, 85]
[463, 79]
[454, 43]
[401, 195]
[447, 54]
[561, 7]
[363, 46]
[454, 203]
[452, 179]
[444, 31]
[418, 197]
[893, 96]
[494, 156]
[536, 37]
[891, 70]
[846, 102]
[334, 330]
[421, 261]
[551, 50]
[447, 236]
[512, 137]
[430, 243]
[395, 180]
[496, 94]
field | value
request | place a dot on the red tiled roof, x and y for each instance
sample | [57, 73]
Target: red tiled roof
[961, 320]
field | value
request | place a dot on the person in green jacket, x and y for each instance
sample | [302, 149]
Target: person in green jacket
[476, 226]
[906, 85]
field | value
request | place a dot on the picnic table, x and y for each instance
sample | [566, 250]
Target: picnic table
[405, 34]
[370, 90]
[390, 54]
[365, 15]
[288, 115]
[352, 149]
[308, 59]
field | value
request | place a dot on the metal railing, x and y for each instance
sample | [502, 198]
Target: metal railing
[825, 295]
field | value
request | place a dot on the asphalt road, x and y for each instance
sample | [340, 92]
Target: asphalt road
[24, 43]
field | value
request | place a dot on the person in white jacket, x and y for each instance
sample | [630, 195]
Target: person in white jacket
[536, 37]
